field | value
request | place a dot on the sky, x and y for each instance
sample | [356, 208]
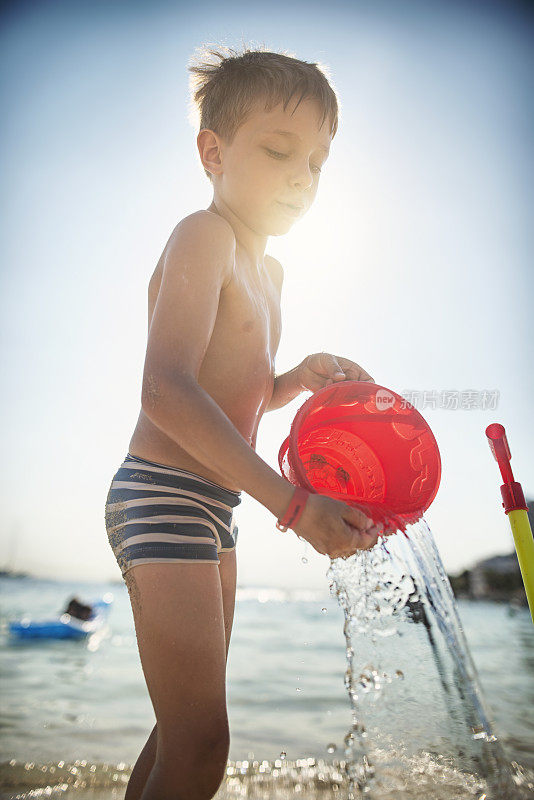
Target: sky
[414, 260]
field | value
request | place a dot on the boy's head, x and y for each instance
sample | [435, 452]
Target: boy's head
[241, 101]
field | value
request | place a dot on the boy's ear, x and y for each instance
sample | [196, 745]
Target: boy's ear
[209, 150]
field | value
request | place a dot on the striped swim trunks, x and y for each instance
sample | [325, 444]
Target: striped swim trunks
[156, 513]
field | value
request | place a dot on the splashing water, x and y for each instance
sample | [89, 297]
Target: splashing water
[420, 726]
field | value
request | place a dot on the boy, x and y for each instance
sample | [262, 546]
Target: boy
[266, 124]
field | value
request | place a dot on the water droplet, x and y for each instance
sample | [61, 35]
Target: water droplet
[324, 610]
[365, 680]
[304, 560]
[349, 738]
[283, 754]
[399, 674]
[331, 748]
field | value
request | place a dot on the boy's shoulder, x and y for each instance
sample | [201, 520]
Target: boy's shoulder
[201, 232]
[204, 222]
[210, 228]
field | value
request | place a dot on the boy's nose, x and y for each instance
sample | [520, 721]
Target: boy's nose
[302, 178]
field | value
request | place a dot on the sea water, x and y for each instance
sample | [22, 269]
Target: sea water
[75, 715]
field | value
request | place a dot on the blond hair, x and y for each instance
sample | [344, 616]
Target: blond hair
[226, 84]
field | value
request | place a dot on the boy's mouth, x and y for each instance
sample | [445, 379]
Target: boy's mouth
[291, 208]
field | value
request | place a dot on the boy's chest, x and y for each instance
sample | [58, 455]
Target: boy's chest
[250, 312]
[238, 368]
[248, 326]
[249, 309]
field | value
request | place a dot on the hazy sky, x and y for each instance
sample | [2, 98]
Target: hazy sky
[413, 262]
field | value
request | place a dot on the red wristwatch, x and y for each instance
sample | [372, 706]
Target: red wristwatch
[294, 509]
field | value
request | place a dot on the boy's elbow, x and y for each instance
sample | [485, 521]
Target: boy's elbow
[151, 394]
[156, 391]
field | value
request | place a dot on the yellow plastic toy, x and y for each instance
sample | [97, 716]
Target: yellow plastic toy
[515, 508]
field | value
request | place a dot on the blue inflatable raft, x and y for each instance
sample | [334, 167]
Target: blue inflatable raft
[64, 626]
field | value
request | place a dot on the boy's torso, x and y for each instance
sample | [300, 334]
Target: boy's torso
[238, 368]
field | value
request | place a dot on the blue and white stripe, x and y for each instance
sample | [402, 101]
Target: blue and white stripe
[155, 513]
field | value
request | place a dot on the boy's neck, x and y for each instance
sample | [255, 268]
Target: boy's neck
[251, 242]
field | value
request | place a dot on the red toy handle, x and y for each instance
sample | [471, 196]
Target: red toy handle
[511, 491]
[501, 451]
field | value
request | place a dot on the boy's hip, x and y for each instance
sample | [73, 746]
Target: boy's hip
[159, 513]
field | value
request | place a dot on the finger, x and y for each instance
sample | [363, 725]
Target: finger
[336, 371]
[353, 371]
[311, 380]
[367, 540]
[325, 365]
[378, 529]
[314, 383]
[315, 378]
[357, 374]
[364, 540]
[356, 518]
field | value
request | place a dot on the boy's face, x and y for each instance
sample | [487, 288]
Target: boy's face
[263, 171]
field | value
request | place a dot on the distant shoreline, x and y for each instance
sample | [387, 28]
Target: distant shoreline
[474, 585]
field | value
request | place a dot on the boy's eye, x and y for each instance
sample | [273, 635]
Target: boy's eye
[275, 154]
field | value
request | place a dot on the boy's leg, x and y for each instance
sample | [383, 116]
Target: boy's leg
[142, 767]
[227, 577]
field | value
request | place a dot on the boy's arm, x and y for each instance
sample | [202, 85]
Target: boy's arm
[197, 266]
[286, 388]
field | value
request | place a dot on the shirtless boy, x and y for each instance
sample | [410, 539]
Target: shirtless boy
[266, 125]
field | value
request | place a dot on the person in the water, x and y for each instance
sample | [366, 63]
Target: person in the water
[267, 121]
[77, 609]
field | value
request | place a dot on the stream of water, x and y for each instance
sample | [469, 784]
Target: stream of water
[420, 726]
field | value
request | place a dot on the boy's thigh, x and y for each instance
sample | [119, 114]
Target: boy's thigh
[228, 578]
[179, 623]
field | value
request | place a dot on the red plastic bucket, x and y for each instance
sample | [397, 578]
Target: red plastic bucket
[363, 444]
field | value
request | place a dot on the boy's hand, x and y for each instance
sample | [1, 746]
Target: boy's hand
[322, 369]
[334, 528]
